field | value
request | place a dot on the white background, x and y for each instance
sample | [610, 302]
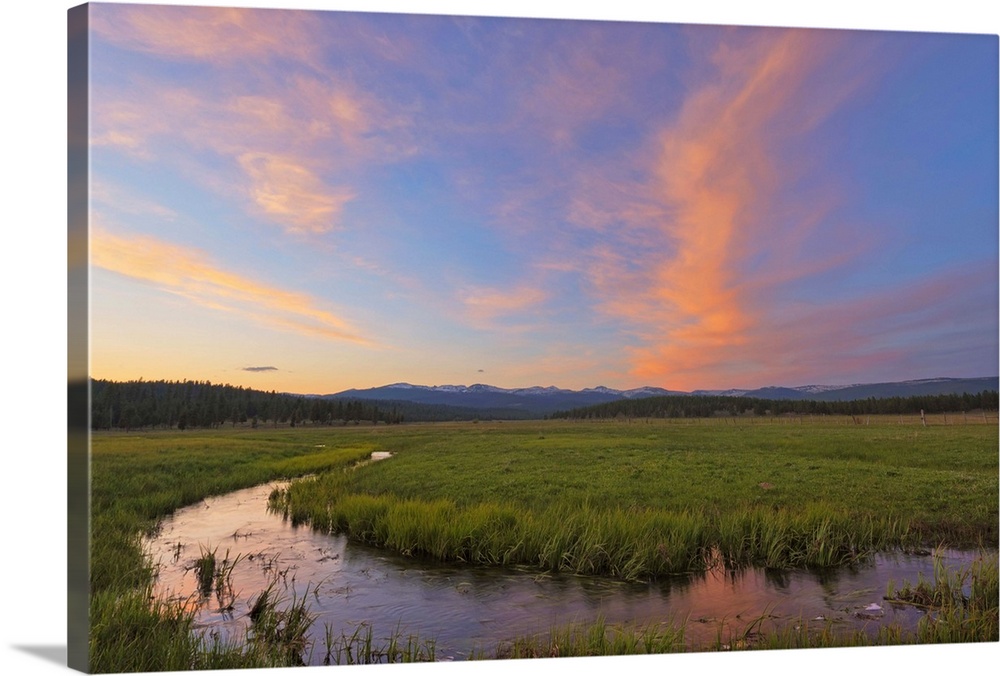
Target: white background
[33, 265]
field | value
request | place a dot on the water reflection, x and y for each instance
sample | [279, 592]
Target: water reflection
[466, 609]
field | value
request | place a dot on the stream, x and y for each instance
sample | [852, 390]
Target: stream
[464, 609]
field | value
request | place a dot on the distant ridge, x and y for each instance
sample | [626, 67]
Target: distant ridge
[545, 400]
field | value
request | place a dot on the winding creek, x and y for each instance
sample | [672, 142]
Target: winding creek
[466, 609]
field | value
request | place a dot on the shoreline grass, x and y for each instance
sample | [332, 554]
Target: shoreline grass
[961, 607]
[139, 479]
[631, 544]
[636, 501]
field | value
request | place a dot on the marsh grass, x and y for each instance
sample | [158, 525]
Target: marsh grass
[661, 497]
[212, 572]
[631, 500]
[361, 647]
[205, 571]
[279, 625]
[629, 543]
[595, 639]
[137, 480]
[961, 604]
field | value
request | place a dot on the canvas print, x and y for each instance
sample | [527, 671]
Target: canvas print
[421, 338]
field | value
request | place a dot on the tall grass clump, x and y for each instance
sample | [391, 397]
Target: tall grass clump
[361, 647]
[961, 604]
[629, 543]
[132, 634]
[205, 571]
[819, 536]
[279, 626]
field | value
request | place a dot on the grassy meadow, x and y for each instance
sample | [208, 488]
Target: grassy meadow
[631, 499]
[640, 499]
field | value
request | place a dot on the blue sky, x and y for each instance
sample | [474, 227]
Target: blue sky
[359, 199]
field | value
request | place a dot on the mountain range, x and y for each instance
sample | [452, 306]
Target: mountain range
[545, 400]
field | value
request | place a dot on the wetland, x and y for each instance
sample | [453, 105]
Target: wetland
[500, 539]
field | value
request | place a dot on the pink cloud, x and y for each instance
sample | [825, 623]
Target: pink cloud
[284, 148]
[290, 139]
[188, 272]
[701, 248]
[292, 195]
[483, 305]
[226, 34]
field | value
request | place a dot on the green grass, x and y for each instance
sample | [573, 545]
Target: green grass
[595, 639]
[361, 647]
[962, 605]
[138, 479]
[641, 499]
[628, 499]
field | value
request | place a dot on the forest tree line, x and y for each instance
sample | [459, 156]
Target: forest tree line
[703, 406]
[141, 404]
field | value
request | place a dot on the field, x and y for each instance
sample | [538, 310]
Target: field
[630, 499]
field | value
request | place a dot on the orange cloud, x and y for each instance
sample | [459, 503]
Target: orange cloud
[188, 272]
[684, 268]
[291, 194]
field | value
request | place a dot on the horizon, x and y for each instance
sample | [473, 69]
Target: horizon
[282, 199]
[699, 390]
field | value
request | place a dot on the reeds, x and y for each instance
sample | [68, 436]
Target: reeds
[818, 536]
[361, 647]
[204, 569]
[961, 604]
[628, 543]
[279, 626]
[594, 639]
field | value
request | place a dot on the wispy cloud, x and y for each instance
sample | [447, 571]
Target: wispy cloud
[291, 194]
[188, 272]
[484, 305]
[861, 339]
[671, 205]
[701, 246]
[259, 369]
[206, 33]
[290, 152]
[575, 82]
[111, 195]
[294, 141]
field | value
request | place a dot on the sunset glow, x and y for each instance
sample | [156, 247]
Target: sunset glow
[313, 201]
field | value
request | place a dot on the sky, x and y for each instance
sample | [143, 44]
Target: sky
[312, 201]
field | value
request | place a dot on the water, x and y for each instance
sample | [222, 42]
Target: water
[466, 609]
